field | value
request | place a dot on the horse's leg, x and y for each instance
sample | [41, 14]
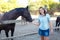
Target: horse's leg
[56, 24]
[6, 32]
[12, 32]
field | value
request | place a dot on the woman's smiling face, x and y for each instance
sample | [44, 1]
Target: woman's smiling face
[41, 10]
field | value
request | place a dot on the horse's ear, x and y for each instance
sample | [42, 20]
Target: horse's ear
[27, 7]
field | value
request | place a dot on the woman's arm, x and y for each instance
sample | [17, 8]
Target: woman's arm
[51, 27]
[50, 23]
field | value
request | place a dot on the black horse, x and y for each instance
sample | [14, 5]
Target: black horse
[57, 23]
[13, 15]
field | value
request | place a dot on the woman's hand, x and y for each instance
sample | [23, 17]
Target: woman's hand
[51, 31]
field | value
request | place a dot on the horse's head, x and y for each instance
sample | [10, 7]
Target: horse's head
[26, 14]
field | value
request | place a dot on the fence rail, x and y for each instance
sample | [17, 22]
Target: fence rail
[10, 21]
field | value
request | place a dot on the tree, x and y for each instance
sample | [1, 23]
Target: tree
[7, 6]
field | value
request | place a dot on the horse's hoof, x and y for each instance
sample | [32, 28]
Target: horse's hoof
[56, 29]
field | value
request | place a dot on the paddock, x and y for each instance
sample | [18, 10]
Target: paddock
[26, 31]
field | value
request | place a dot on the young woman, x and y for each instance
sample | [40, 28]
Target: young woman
[44, 23]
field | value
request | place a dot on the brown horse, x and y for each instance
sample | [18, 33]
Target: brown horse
[13, 15]
[57, 23]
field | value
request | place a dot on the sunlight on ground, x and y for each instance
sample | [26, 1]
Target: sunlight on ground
[57, 13]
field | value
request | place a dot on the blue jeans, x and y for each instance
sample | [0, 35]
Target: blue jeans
[43, 32]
